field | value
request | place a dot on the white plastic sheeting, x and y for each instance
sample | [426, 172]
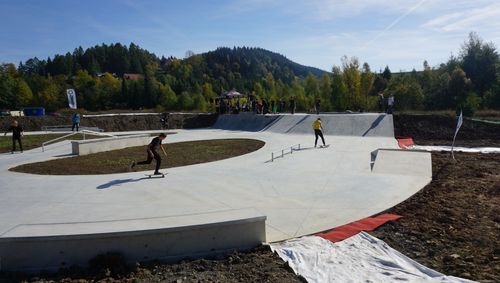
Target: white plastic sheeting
[455, 149]
[361, 258]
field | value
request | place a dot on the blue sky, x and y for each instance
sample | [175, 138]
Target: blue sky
[398, 33]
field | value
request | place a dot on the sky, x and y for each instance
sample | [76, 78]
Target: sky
[398, 33]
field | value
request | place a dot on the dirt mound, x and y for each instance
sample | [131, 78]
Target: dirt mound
[452, 225]
[117, 123]
[439, 130]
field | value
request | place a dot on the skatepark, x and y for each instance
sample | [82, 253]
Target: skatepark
[284, 190]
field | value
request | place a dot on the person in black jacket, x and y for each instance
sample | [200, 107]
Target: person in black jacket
[17, 133]
[153, 154]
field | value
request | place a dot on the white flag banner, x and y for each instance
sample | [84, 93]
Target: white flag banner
[71, 98]
[459, 124]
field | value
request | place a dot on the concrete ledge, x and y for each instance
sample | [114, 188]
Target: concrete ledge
[106, 144]
[402, 162]
[235, 230]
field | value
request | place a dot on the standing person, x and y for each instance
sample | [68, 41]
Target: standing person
[17, 133]
[153, 154]
[317, 106]
[390, 104]
[273, 106]
[283, 106]
[318, 131]
[265, 107]
[76, 122]
[164, 121]
[292, 105]
[381, 102]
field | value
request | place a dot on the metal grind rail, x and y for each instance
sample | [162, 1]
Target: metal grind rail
[83, 132]
[283, 152]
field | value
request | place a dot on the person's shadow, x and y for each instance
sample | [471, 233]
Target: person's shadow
[118, 182]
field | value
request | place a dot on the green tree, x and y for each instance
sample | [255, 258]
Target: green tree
[352, 81]
[386, 74]
[186, 102]
[458, 87]
[84, 85]
[325, 88]
[407, 93]
[339, 91]
[24, 93]
[168, 98]
[367, 80]
[108, 88]
[480, 62]
[7, 88]
[311, 87]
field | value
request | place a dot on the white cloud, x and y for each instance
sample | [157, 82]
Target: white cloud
[483, 18]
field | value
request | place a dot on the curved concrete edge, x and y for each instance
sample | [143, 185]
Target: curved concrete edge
[85, 147]
[36, 253]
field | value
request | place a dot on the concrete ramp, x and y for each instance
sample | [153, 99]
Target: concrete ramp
[361, 125]
[247, 122]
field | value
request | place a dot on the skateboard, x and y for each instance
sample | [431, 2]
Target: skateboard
[324, 146]
[162, 175]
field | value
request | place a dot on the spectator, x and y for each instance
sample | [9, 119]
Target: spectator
[282, 106]
[316, 106]
[292, 105]
[17, 133]
[381, 102]
[76, 122]
[390, 104]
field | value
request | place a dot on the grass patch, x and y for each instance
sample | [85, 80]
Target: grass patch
[34, 141]
[118, 161]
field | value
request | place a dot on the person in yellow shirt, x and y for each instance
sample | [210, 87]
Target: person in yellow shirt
[318, 131]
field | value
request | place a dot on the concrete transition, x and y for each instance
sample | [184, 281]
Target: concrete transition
[48, 222]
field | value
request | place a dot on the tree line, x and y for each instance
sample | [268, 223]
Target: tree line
[468, 81]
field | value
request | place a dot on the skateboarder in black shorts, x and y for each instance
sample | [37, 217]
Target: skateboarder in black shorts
[17, 133]
[153, 154]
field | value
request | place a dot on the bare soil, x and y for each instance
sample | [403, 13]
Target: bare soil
[453, 224]
[258, 265]
[117, 123]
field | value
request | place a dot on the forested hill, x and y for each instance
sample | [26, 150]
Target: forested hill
[252, 63]
[469, 81]
[256, 63]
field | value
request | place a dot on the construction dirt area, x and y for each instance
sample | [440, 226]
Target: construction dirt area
[452, 225]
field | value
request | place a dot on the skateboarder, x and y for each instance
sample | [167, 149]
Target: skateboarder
[153, 154]
[318, 131]
[17, 133]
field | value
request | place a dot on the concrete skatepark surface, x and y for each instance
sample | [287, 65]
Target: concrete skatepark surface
[306, 192]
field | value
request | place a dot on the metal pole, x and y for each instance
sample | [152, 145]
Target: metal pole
[272, 156]
[282, 153]
[291, 150]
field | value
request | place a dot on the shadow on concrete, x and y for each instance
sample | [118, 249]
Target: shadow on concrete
[296, 124]
[374, 124]
[118, 182]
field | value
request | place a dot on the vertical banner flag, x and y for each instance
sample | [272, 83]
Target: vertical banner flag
[71, 98]
[459, 124]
